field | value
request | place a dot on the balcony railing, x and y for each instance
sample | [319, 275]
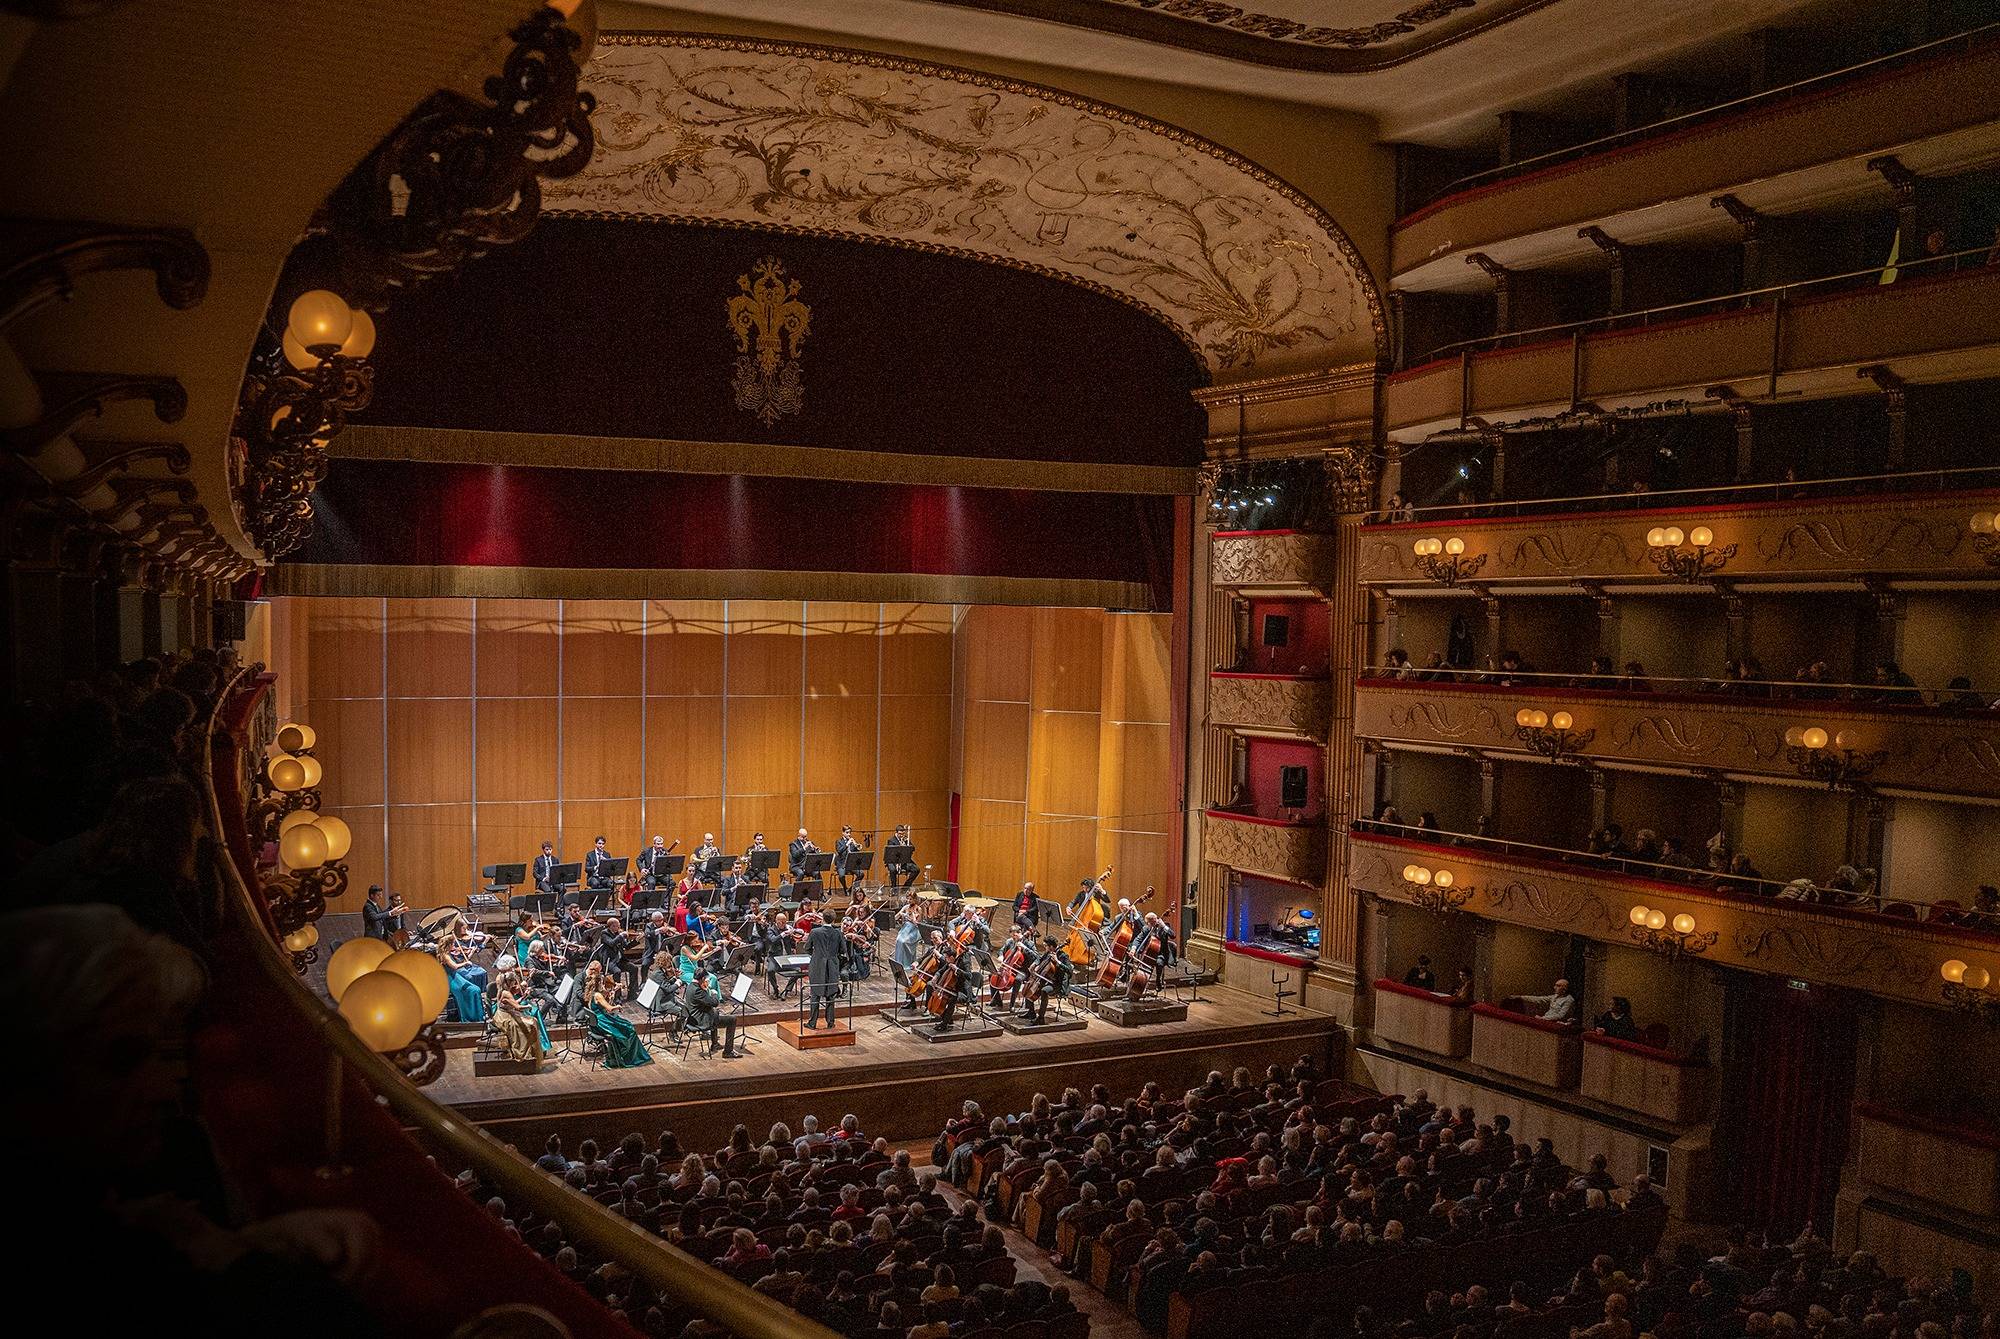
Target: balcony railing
[1287, 561]
[1277, 848]
[1925, 535]
[1907, 747]
[1752, 338]
[1422, 1019]
[1272, 704]
[1894, 99]
[333, 1133]
[1547, 889]
[1645, 1079]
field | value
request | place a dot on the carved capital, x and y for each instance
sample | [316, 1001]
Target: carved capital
[72, 397]
[43, 262]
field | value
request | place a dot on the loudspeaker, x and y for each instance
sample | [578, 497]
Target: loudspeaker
[231, 620]
[1292, 787]
[1277, 629]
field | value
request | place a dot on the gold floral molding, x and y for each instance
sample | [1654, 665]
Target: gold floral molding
[1295, 853]
[814, 140]
[1280, 560]
[1301, 707]
[768, 310]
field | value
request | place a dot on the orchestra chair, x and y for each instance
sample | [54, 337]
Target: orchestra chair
[593, 1040]
[667, 1030]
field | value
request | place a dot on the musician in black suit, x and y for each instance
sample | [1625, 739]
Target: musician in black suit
[1052, 965]
[545, 867]
[382, 913]
[902, 871]
[795, 855]
[666, 977]
[596, 862]
[658, 933]
[842, 849]
[705, 1013]
[708, 850]
[653, 863]
[827, 946]
[735, 888]
[612, 943]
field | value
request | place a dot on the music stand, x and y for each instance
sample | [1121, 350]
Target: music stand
[564, 878]
[500, 878]
[565, 989]
[711, 869]
[853, 865]
[812, 873]
[738, 1004]
[762, 862]
[897, 853]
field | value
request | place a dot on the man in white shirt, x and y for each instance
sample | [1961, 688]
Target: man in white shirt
[1557, 1008]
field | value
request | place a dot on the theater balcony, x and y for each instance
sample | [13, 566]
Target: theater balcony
[1806, 142]
[1821, 532]
[1908, 748]
[1273, 562]
[1896, 953]
[1422, 1019]
[1807, 339]
[1279, 848]
[1284, 706]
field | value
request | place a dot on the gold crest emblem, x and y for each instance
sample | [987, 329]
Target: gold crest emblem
[768, 382]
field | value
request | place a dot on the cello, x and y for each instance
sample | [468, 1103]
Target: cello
[1117, 949]
[1083, 926]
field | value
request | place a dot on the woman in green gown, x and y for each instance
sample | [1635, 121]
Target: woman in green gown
[622, 1047]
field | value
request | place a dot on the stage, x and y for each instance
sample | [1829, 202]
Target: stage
[899, 1084]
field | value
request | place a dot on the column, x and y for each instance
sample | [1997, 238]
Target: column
[1483, 940]
[1489, 794]
[1600, 796]
[1378, 915]
[1594, 996]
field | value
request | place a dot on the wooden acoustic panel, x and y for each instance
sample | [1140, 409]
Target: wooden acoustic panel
[916, 742]
[364, 857]
[840, 743]
[683, 746]
[683, 820]
[996, 641]
[765, 649]
[583, 821]
[842, 650]
[824, 814]
[429, 648]
[916, 647]
[430, 853]
[1059, 849]
[991, 844]
[775, 815]
[603, 648]
[518, 754]
[518, 646]
[1066, 661]
[512, 834]
[343, 641]
[1062, 763]
[349, 749]
[600, 747]
[1138, 671]
[684, 648]
[763, 746]
[996, 751]
[430, 751]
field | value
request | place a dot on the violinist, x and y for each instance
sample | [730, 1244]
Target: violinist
[618, 950]
[656, 933]
[909, 931]
[858, 928]
[687, 896]
[527, 941]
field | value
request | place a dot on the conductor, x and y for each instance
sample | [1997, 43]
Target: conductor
[826, 945]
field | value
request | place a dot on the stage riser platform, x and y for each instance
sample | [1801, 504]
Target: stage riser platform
[900, 1087]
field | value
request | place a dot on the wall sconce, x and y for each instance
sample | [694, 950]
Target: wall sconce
[391, 1000]
[1841, 766]
[1965, 990]
[1550, 735]
[1434, 890]
[1444, 560]
[1985, 529]
[1674, 937]
[1663, 546]
[312, 846]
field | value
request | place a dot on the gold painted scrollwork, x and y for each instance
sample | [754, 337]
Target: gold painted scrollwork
[1301, 706]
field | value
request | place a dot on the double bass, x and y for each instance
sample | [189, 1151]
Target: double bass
[1118, 949]
[1089, 918]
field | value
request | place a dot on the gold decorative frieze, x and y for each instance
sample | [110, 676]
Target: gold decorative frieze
[1294, 852]
[1922, 535]
[1271, 704]
[1935, 752]
[790, 138]
[1278, 560]
[1883, 955]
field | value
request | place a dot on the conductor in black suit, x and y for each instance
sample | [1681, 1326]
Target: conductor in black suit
[545, 867]
[826, 945]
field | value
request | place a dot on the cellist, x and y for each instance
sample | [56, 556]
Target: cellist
[1047, 978]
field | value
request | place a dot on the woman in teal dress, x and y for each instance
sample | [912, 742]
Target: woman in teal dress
[622, 1047]
[467, 981]
[689, 964]
[526, 938]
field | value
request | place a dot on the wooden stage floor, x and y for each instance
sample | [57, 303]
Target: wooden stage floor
[899, 1084]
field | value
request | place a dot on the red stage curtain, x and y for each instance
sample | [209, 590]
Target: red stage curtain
[1788, 1061]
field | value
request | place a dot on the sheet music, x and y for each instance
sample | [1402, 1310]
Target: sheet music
[740, 991]
[563, 990]
[647, 994]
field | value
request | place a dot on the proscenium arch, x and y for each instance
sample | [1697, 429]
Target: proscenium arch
[1253, 276]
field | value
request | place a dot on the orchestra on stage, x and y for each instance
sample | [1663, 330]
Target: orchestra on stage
[679, 938]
